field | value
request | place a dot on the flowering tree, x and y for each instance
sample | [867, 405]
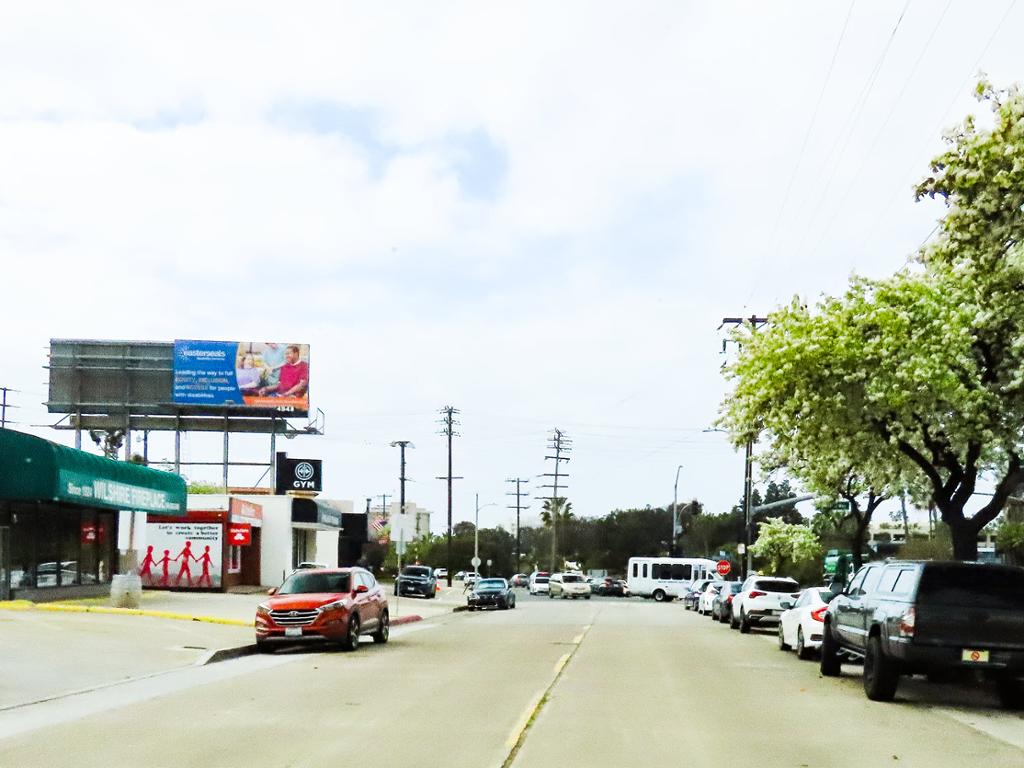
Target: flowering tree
[779, 542]
[917, 380]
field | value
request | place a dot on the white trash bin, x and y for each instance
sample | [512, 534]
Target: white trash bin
[126, 590]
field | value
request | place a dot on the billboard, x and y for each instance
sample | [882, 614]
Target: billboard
[255, 374]
[182, 555]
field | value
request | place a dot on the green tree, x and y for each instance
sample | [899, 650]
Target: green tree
[924, 369]
[779, 543]
[555, 513]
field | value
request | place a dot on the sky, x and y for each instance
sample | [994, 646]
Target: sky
[538, 213]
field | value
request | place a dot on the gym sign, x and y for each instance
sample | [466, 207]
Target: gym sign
[298, 475]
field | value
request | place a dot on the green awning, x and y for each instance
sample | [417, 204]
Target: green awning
[33, 469]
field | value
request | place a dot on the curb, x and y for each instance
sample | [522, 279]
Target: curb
[26, 605]
[405, 620]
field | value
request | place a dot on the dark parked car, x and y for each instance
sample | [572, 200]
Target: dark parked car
[932, 618]
[491, 593]
[613, 588]
[416, 580]
[721, 608]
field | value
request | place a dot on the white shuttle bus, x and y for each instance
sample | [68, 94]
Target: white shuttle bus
[664, 578]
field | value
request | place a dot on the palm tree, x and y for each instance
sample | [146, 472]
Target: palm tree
[556, 511]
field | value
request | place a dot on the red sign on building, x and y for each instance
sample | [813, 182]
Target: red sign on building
[90, 533]
[239, 534]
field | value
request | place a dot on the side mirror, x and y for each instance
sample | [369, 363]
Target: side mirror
[785, 604]
[360, 589]
[272, 591]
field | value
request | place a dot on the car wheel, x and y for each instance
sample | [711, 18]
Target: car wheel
[513, 605]
[587, 597]
[1011, 692]
[744, 624]
[659, 596]
[351, 641]
[881, 674]
[802, 651]
[783, 645]
[830, 663]
[734, 623]
[383, 630]
[503, 606]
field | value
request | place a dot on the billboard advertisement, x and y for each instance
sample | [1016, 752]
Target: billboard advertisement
[182, 555]
[253, 374]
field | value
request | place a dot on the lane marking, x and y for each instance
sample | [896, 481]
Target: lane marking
[523, 721]
[515, 740]
[560, 664]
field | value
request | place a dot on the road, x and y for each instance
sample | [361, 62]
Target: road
[553, 683]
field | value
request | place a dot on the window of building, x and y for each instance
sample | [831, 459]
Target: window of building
[234, 559]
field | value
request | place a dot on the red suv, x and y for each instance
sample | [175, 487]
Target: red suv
[338, 604]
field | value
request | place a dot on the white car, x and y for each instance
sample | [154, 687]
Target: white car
[801, 625]
[539, 583]
[469, 578]
[707, 597]
[566, 585]
[760, 601]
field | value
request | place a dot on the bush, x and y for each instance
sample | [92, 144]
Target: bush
[1010, 541]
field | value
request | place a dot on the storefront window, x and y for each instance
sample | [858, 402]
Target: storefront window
[106, 539]
[88, 535]
[48, 558]
[23, 556]
[70, 546]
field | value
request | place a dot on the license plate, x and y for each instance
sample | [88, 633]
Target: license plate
[293, 631]
[974, 656]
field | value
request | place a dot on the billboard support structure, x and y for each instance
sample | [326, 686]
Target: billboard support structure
[107, 386]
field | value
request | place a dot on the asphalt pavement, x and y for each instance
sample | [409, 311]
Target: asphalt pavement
[603, 682]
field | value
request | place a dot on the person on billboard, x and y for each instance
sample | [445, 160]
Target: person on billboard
[146, 568]
[206, 561]
[272, 359]
[185, 570]
[294, 379]
[247, 375]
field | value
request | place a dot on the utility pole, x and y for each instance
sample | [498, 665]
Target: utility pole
[384, 505]
[4, 405]
[675, 495]
[754, 322]
[518, 508]
[559, 443]
[449, 423]
[402, 445]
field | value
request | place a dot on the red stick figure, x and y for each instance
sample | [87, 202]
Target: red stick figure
[147, 563]
[165, 563]
[206, 560]
[185, 570]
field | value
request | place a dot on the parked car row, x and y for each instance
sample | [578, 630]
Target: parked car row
[942, 619]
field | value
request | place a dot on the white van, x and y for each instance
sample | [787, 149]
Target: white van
[539, 582]
[666, 578]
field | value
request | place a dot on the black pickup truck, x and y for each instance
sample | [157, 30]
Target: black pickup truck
[930, 618]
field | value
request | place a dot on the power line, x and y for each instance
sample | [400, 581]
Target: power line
[449, 424]
[800, 156]
[4, 405]
[910, 172]
[851, 124]
[560, 444]
[878, 134]
[519, 493]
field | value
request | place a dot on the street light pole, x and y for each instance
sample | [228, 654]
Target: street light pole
[675, 494]
[748, 479]
[476, 528]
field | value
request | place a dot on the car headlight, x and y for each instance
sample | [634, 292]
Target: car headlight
[337, 605]
[263, 608]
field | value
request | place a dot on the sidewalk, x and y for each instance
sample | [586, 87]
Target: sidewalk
[232, 608]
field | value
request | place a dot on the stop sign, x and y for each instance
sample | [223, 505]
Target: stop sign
[723, 567]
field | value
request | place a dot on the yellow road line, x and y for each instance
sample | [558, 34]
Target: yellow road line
[560, 664]
[578, 639]
[524, 720]
[25, 605]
